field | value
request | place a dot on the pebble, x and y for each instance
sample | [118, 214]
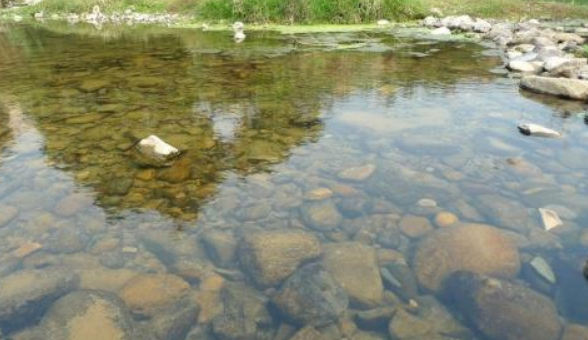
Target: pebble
[27, 249]
[427, 203]
[445, 219]
[543, 269]
[358, 174]
[318, 194]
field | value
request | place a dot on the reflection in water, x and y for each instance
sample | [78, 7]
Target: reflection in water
[353, 145]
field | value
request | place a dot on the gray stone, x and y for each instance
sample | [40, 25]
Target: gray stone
[245, 315]
[175, 322]
[321, 215]
[311, 296]
[561, 87]
[221, 247]
[502, 310]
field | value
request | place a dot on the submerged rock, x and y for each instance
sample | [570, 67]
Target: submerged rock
[561, 87]
[550, 219]
[321, 215]
[245, 315]
[311, 296]
[26, 295]
[354, 267]
[89, 315]
[148, 293]
[473, 247]
[270, 257]
[502, 310]
[538, 131]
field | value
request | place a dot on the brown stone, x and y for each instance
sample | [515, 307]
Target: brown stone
[355, 268]
[445, 219]
[358, 174]
[575, 332]
[270, 257]
[147, 293]
[415, 226]
[477, 248]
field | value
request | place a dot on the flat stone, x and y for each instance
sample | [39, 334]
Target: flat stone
[445, 219]
[415, 226]
[318, 194]
[270, 257]
[147, 293]
[561, 87]
[357, 174]
[355, 268]
[73, 204]
[27, 249]
[474, 247]
[322, 215]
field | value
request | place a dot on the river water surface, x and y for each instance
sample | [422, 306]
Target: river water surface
[357, 141]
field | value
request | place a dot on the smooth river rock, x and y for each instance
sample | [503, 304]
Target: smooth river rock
[321, 215]
[503, 310]
[354, 267]
[270, 257]
[473, 247]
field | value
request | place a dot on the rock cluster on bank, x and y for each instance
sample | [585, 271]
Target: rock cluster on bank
[550, 60]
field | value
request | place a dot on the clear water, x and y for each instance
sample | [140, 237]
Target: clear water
[261, 125]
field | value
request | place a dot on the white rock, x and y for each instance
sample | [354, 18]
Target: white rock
[524, 48]
[562, 87]
[513, 54]
[542, 268]
[441, 31]
[427, 203]
[155, 148]
[383, 22]
[534, 22]
[522, 66]
[17, 18]
[431, 21]
[554, 62]
[538, 131]
[482, 26]
[550, 219]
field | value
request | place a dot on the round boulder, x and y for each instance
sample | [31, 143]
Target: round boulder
[477, 248]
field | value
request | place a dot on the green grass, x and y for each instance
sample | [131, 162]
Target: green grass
[325, 11]
[311, 11]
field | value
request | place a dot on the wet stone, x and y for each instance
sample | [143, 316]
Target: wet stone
[321, 215]
[119, 186]
[357, 174]
[89, 315]
[176, 321]
[478, 248]
[415, 226]
[503, 310]
[245, 315]
[65, 241]
[270, 257]
[221, 247]
[73, 204]
[354, 267]
[311, 297]
[26, 294]
[148, 293]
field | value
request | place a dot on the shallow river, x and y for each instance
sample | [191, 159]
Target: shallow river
[327, 189]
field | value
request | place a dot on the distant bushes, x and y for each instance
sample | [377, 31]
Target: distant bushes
[310, 11]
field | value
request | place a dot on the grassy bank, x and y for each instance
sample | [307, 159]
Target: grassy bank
[325, 11]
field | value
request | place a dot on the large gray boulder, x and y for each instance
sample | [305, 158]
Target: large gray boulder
[27, 294]
[503, 310]
[561, 87]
